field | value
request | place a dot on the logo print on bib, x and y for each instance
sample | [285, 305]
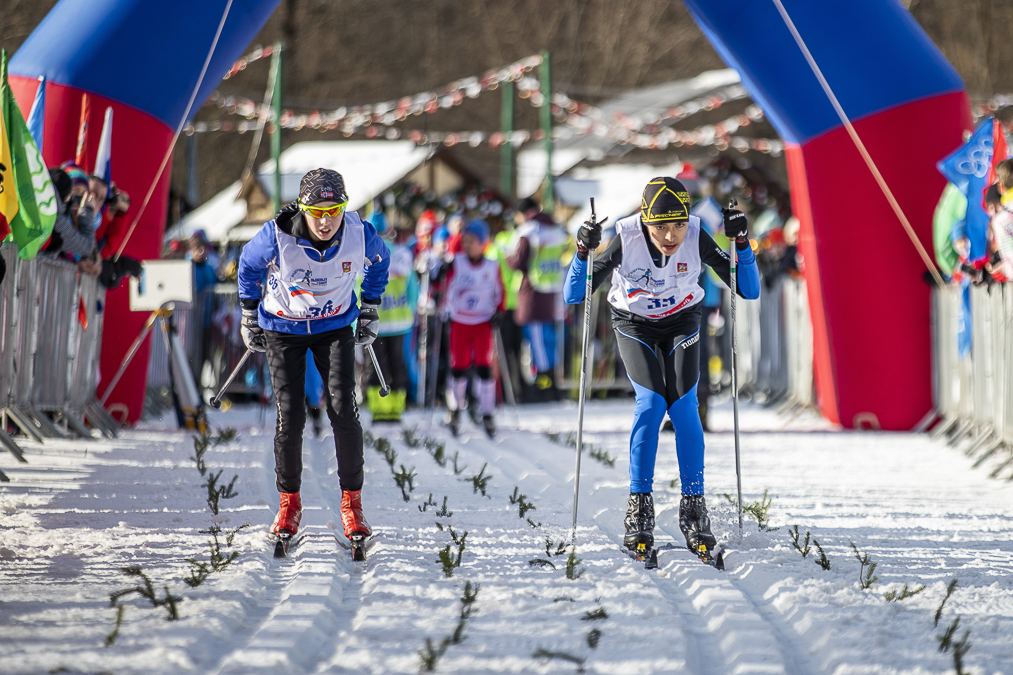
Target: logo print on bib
[346, 267]
[682, 267]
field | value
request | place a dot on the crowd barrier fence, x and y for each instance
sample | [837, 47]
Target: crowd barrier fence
[50, 343]
[973, 386]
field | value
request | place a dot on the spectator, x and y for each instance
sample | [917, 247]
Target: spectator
[1000, 264]
[541, 245]
[109, 233]
[504, 245]
[73, 232]
[204, 272]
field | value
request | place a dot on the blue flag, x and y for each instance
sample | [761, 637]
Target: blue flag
[968, 168]
[37, 116]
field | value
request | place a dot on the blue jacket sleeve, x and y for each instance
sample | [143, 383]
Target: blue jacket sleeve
[253, 261]
[375, 280]
[748, 275]
[576, 281]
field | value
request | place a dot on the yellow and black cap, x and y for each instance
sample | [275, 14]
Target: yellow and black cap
[665, 199]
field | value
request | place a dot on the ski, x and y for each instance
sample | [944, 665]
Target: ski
[649, 555]
[359, 545]
[283, 543]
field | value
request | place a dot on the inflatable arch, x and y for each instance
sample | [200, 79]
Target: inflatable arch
[143, 59]
[870, 304]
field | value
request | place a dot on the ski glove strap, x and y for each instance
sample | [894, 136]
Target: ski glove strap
[588, 238]
[735, 225]
[368, 324]
[253, 334]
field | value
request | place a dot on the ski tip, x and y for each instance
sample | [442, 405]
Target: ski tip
[279, 549]
[719, 561]
[652, 560]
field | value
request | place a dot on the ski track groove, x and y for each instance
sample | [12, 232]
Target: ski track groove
[698, 591]
[717, 601]
[307, 599]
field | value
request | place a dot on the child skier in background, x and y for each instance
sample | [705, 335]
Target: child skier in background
[473, 302]
[397, 316]
[654, 263]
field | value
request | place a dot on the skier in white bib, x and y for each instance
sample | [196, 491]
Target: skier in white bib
[310, 255]
[653, 264]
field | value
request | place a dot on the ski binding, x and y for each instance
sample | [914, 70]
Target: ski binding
[283, 542]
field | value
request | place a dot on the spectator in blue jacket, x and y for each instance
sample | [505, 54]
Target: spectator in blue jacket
[311, 254]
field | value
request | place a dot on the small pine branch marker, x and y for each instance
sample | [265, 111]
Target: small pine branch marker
[823, 561]
[949, 591]
[801, 548]
[480, 481]
[866, 579]
[891, 596]
[443, 512]
[426, 504]
[572, 572]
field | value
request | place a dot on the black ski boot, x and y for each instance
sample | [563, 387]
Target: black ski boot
[490, 426]
[455, 422]
[696, 526]
[639, 523]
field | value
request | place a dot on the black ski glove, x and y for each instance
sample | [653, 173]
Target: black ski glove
[588, 238]
[368, 325]
[253, 334]
[497, 319]
[736, 227]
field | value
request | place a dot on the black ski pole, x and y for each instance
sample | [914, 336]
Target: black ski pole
[216, 402]
[585, 356]
[384, 389]
[734, 254]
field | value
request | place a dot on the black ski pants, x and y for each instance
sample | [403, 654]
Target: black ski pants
[334, 355]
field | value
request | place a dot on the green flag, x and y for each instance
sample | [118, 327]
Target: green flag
[35, 211]
[950, 210]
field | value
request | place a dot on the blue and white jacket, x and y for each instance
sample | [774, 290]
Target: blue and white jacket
[262, 251]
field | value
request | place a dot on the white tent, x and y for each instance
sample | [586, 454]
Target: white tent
[368, 167]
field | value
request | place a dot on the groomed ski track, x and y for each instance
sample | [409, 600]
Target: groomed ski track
[72, 519]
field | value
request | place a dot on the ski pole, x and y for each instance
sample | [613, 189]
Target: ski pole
[504, 373]
[585, 356]
[216, 402]
[384, 389]
[734, 255]
[423, 355]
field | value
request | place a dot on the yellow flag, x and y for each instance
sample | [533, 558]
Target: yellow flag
[8, 190]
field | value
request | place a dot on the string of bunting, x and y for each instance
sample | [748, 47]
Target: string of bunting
[495, 139]
[257, 54]
[376, 120]
[349, 119]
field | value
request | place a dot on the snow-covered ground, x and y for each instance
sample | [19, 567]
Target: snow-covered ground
[81, 511]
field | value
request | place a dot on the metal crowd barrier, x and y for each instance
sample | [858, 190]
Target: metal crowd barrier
[775, 351]
[798, 336]
[209, 332]
[50, 339]
[972, 391]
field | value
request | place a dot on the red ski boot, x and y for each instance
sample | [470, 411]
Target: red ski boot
[351, 514]
[289, 515]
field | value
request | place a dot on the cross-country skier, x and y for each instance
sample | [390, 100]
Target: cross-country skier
[311, 254]
[654, 263]
[473, 302]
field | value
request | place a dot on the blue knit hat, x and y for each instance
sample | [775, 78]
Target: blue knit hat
[479, 229]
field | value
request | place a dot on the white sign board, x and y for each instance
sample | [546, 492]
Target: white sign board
[161, 282]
